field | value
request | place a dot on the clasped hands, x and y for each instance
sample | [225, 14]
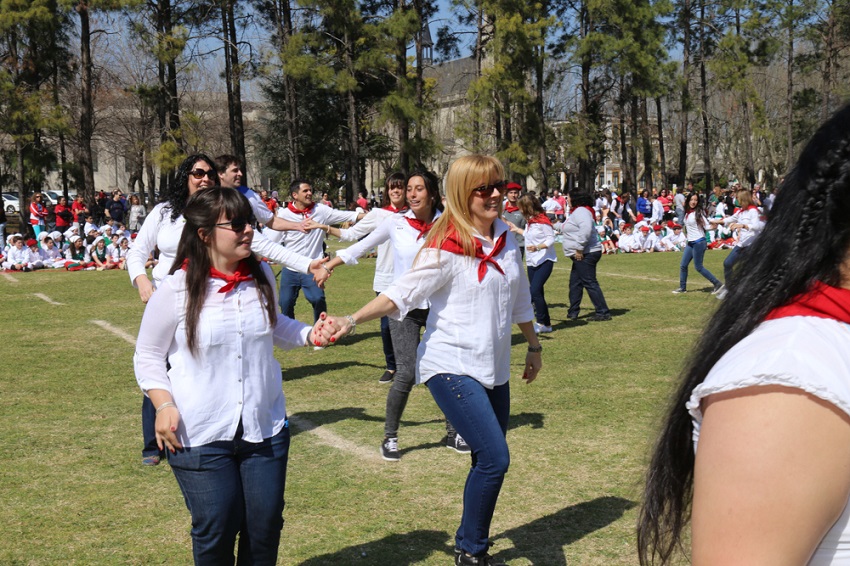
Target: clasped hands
[329, 329]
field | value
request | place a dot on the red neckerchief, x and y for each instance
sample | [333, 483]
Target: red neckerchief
[451, 244]
[392, 208]
[510, 207]
[242, 273]
[305, 212]
[822, 301]
[539, 219]
[590, 210]
[752, 207]
[420, 226]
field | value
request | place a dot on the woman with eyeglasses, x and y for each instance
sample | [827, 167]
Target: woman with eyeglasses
[470, 270]
[406, 232]
[205, 358]
[162, 229]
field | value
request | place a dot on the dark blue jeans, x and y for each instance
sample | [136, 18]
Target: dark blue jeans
[729, 262]
[480, 416]
[583, 277]
[387, 342]
[290, 283]
[234, 487]
[149, 428]
[696, 251]
[537, 277]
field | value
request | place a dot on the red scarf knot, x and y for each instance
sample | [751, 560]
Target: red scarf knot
[540, 218]
[452, 245]
[393, 209]
[306, 212]
[589, 209]
[822, 301]
[420, 226]
[511, 208]
[242, 273]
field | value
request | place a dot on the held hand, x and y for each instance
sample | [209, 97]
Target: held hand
[145, 288]
[318, 271]
[326, 331]
[310, 224]
[531, 248]
[579, 256]
[166, 425]
[533, 363]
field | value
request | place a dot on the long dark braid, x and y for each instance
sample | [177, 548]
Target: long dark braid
[806, 239]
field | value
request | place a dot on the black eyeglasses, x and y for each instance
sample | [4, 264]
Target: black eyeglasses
[237, 224]
[201, 173]
[487, 190]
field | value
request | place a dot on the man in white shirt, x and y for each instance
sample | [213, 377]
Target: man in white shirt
[551, 206]
[307, 244]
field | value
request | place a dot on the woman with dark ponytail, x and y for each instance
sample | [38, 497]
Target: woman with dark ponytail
[755, 450]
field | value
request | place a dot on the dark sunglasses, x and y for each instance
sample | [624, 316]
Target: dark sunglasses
[237, 224]
[201, 173]
[487, 190]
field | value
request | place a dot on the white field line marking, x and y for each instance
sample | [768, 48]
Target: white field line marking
[47, 299]
[325, 436]
[642, 277]
[129, 338]
[9, 278]
[334, 440]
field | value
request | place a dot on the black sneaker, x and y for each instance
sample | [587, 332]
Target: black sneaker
[599, 317]
[387, 377]
[463, 559]
[458, 444]
[679, 291]
[389, 449]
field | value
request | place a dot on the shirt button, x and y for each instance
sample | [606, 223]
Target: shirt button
[240, 402]
[239, 380]
[240, 357]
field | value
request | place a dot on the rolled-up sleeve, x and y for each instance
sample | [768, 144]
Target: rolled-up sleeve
[143, 245]
[431, 271]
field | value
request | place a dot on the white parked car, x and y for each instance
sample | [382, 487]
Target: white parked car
[11, 203]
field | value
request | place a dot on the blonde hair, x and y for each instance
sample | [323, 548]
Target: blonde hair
[745, 199]
[465, 174]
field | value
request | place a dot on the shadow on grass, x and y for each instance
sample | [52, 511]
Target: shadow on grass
[541, 541]
[397, 549]
[534, 420]
[300, 372]
[310, 420]
[351, 340]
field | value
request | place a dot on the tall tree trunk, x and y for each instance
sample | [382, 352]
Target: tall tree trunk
[648, 157]
[633, 141]
[63, 159]
[419, 86]
[479, 61]
[401, 84]
[540, 119]
[86, 103]
[353, 131]
[827, 73]
[703, 88]
[234, 98]
[662, 157]
[685, 21]
[285, 30]
[789, 92]
[625, 178]
[586, 167]
[749, 163]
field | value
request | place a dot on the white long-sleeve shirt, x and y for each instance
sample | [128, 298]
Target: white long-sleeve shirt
[537, 234]
[468, 331]
[234, 375]
[694, 230]
[405, 240]
[309, 244]
[751, 218]
[384, 261]
[158, 230]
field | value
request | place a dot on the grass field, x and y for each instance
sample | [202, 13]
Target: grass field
[74, 492]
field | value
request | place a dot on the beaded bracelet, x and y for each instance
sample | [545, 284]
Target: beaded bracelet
[165, 406]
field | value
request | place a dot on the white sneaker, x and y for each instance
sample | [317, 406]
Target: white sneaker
[542, 328]
[721, 293]
[318, 348]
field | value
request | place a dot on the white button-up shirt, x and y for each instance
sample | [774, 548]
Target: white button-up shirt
[234, 374]
[310, 244]
[384, 262]
[468, 331]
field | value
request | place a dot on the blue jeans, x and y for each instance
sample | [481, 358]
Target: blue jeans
[149, 428]
[729, 262]
[290, 283]
[387, 342]
[537, 277]
[2, 235]
[696, 251]
[234, 487]
[583, 276]
[480, 416]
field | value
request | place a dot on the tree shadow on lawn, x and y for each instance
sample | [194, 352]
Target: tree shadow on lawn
[397, 549]
[310, 420]
[300, 372]
[541, 541]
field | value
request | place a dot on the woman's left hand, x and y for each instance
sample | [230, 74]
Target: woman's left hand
[533, 364]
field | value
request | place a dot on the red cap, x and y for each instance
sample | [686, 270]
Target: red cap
[670, 223]
[513, 187]
[677, 226]
[133, 235]
[657, 228]
[644, 228]
[626, 225]
[31, 242]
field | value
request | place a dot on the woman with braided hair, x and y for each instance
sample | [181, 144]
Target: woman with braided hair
[755, 450]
